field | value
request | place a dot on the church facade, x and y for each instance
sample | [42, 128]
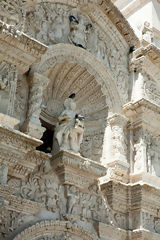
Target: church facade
[79, 120]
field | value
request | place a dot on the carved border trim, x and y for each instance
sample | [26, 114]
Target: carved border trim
[53, 228]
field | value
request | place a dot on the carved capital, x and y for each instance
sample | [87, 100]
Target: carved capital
[117, 119]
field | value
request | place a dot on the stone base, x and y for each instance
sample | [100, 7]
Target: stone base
[8, 121]
[33, 130]
[75, 170]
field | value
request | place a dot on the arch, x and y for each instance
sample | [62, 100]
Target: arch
[54, 230]
[61, 53]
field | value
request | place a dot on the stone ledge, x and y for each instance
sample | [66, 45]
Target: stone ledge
[141, 234]
[145, 178]
[143, 113]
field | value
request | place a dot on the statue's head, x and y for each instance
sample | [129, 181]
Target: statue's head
[69, 104]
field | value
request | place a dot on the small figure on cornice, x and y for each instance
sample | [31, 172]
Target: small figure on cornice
[147, 33]
[69, 132]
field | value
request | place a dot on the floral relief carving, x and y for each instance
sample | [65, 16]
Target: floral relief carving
[9, 222]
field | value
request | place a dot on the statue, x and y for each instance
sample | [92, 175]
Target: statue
[69, 132]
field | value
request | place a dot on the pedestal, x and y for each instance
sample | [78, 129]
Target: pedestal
[75, 170]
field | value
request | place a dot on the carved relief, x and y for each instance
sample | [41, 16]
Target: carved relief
[62, 24]
[21, 98]
[3, 173]
[80, 27]
[92, 144]
[61, 237]
[9, 222]
[151, 89]
[43, 187]
[13, 12]
[8, 84]
[146, 153]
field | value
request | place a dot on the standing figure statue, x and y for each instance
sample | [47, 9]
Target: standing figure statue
[69, 132]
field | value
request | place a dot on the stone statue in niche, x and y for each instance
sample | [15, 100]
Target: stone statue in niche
[69, 132]
[147, 33]
[80, 28]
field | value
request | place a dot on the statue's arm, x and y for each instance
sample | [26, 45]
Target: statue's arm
[63, 118]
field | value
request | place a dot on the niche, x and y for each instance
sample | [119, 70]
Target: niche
[47, 139]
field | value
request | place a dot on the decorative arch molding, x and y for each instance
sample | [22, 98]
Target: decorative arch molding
[60, 53]
[55, 230]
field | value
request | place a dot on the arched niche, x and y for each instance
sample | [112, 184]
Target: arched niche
[70, 70]
[54, 230]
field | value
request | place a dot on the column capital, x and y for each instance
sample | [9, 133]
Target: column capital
[117, 119]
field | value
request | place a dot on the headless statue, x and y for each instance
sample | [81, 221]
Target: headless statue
[69, 132]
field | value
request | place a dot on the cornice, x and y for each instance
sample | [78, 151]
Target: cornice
[20, 205]
[18, 152]
[76, 170]
[19, 49]
[119, 21]
[143, 114]
[150, 51]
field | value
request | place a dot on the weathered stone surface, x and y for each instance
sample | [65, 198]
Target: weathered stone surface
[97, 176]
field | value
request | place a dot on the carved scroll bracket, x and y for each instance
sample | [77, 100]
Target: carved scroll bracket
[32, 125]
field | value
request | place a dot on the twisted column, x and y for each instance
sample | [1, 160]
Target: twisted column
[37, 84]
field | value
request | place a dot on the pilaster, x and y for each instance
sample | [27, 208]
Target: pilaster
[115, 149]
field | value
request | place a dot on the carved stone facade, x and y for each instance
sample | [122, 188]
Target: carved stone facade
[79, 123]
